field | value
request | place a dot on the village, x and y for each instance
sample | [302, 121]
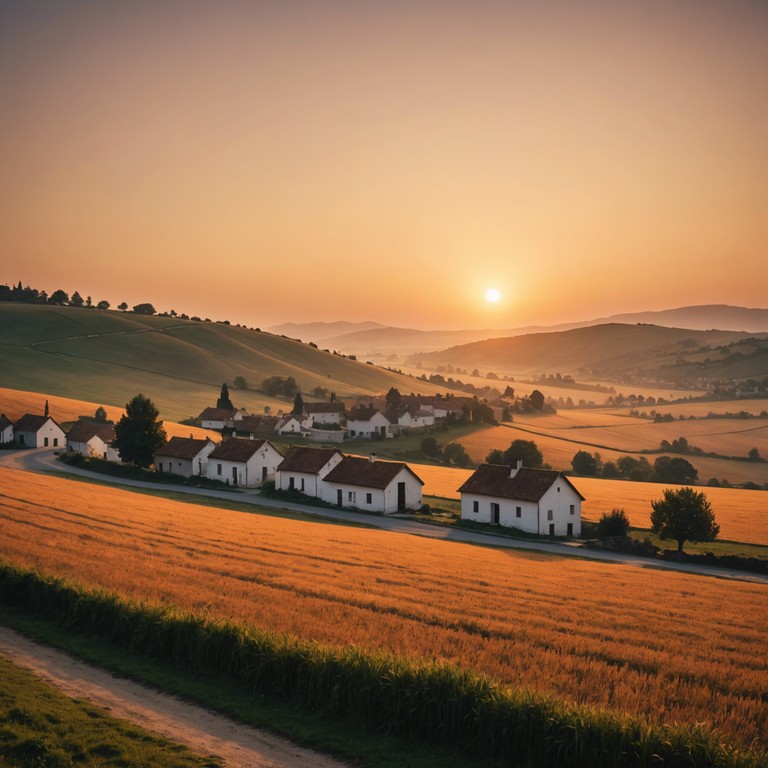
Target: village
[533, 501]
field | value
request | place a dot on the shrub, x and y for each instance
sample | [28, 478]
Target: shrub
[613, 523]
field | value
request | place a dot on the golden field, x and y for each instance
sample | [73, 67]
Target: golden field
[665, 645]
[15, 403]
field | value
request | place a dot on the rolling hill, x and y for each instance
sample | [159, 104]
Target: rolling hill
[375, 340]
[606, 351]
[108, 357]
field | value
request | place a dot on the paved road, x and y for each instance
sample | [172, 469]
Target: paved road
[42, 460]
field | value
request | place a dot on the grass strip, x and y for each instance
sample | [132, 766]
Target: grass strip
[433, 703]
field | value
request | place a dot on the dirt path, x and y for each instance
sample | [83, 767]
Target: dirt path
[202, 731]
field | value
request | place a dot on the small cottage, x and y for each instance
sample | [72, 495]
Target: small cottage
[248, 463]
[366, 422]
[539, 501]
[33, 431]
[93, 439]
[219, 418]
[324, 413]
[303, 469]
[185, 456]
[372, 486]
[6, 430]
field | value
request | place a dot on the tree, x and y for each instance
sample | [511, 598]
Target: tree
[684, 515]
[59, 297]
[496, 456]
[393, 398]
[76, 300]
[144, 309]
[674, 470]
[298, 404]
[139, 433]
[103, 305]
[429, 446]
[585, 463]
[613, 523]
[122, 306]
[526, 451]
[224, 401]
[754, 454]
[101, 414]
[537, 400]
[456, 453]
[240, 382]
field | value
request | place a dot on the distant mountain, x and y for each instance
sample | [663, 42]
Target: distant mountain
[599, 351]
[376, 340]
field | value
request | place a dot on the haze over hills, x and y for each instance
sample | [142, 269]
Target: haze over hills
[375, 340]
[613, 350]
[107, 357]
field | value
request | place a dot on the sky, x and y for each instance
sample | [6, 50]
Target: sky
[297, 161]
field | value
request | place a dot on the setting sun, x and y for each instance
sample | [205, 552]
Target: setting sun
[492, 295]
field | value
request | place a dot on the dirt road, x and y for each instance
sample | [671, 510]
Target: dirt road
[204, 732]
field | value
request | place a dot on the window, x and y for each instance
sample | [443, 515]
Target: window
[218, 469]
[291, 483]
[351, 496]
[369, 498]
[518, 511]
[475, 506]
[45, 442]
[558, 489]
[302, 483]
[573, 509]
[55, 442]
[549, 515]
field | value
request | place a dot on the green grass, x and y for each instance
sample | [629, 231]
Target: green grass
[107, 357]
[717, 547]
[39, 726]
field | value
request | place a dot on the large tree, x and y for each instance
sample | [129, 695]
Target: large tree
[674, 469]
[585, 463]
[526, 451]
[139, 433]
[684, 515]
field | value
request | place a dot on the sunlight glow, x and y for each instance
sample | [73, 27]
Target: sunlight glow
[492, 295]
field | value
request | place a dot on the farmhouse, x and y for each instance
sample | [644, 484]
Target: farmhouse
[248, 463]
[33, 431]
[413, 417]
[218, 418]
[372, 486]
[539, 501]
[324, 413]
[93, 439]
[185, 456]
[366, 422]
[303, 469]
[6, 430]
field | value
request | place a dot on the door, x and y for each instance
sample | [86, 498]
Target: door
[495, 509]
[340, 498]
[570, 529]
[263, 474]
[401, 497]
[234, 475]
[551, 529]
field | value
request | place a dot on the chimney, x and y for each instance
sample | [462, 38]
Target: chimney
[514, 470]
[371, 457]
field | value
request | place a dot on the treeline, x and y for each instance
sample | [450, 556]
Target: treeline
[27, 295]
[434, 703]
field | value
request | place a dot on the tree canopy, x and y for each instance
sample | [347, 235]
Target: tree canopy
[585, 463]
[224, 400]
[139, 433]
[674, 470]
[519, 450]
[684, 515]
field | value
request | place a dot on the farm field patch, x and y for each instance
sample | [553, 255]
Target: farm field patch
[666, 645]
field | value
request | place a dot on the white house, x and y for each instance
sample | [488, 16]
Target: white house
[33, 431]
[185, 456]
[290, 424]
[324, 413]
[218, 418]
[93, 439]
[416, 418]
[539, 501]
[6, 430]
[248, 463]
[372, 486]
[366, 421]
[303, 469]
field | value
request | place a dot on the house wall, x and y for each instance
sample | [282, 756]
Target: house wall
[327, 435]
[249, 473]
[354, 496]
[94, 447]
[312, 483]
[528, 520]
[559, 503]
[365, 429]
[326, 418]
[48, 436]
[185, 467]
[6, 434]
[413, 488]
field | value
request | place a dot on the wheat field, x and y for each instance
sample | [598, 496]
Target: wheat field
[665, 645]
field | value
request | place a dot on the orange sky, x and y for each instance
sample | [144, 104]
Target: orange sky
[295, 161]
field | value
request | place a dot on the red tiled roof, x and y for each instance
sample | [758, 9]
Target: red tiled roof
[238, 449]
[526, 485]
[183, 447]
[354, 470]
[83, 431]
[310, 460]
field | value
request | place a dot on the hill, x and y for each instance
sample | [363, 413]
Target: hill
[107, 357]
[374, 340]
[605, 351]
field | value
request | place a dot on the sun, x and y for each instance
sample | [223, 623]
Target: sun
[492, 295]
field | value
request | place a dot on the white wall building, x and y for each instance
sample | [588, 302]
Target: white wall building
[33, 431]
[247, 463]
[185, 456]
[6, 430]
[534, 500]
[303, 469]
[366, 422]
[93, 439]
